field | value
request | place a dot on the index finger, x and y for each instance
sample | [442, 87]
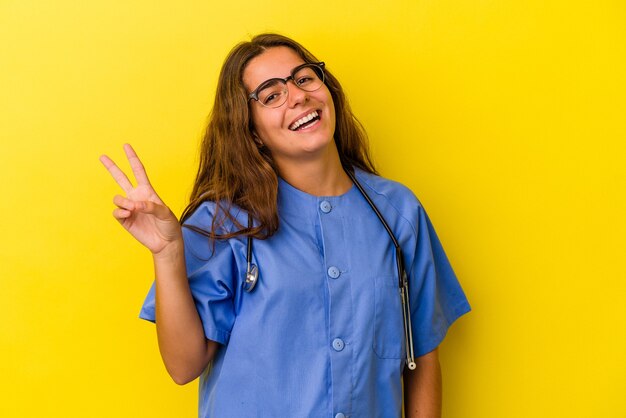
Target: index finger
[135, 164]
[117, 174]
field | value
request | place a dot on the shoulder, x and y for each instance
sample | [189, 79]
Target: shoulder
[196, 228]
[391, 193]
[205, 214]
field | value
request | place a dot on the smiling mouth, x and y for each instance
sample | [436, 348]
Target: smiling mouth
[305, 121]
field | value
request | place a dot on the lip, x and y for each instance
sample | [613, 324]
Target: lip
[303, 114]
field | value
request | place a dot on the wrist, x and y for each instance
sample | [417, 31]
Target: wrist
[172, 251]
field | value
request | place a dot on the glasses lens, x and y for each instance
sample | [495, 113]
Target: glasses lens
[309, 77]
[273, 93]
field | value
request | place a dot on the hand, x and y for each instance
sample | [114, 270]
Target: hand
[142, 212]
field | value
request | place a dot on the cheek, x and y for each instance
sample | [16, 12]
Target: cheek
[328, 98]
[258, 121]
[331, 107]
[264, 123]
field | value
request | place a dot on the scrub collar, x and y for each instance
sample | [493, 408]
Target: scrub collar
[295, 202]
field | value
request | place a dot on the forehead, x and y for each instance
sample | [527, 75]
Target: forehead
[274, 62]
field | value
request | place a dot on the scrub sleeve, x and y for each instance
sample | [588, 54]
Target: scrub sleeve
[212, 273]
[436, 296]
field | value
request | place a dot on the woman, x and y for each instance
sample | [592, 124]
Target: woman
[309, 322]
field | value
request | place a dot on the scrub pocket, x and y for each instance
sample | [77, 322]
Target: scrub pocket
[388, 324]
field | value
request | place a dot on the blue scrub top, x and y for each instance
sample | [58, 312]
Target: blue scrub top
[321, 334]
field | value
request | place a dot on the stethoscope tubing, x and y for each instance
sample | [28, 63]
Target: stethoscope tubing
[403, 282]
[252, 273]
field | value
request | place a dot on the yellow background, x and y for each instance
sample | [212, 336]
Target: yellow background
[507, 119]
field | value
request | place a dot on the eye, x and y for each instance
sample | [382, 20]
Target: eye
[306, 77]
[270, 98]
[304, 80]
[271, 92]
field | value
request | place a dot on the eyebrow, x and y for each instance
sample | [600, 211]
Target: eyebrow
[277, 78]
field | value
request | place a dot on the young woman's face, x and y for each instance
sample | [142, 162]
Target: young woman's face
[281, 129]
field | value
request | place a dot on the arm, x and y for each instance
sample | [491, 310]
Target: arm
[422, 388]
[183, 346]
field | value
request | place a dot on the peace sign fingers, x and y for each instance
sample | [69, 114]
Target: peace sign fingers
[136, 166]
[141, 212]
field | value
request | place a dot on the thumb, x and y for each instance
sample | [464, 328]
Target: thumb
[158, 210]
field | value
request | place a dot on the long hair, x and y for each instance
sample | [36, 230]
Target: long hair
[233, 170]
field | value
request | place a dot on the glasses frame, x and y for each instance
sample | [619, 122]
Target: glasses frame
[319, 65]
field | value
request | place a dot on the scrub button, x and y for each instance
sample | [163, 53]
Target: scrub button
[325, 206]
[333, 272]
[338, 344]
[340, 415]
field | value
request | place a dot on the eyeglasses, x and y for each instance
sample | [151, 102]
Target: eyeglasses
[273, 92]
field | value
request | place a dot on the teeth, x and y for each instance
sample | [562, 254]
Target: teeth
[303, 120]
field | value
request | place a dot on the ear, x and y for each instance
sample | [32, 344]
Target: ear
[257, 140]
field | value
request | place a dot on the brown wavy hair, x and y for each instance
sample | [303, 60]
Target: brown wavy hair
[234, 170]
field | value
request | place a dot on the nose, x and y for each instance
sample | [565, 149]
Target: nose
[295, 94]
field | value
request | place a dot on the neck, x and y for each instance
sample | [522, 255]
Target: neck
[319, 176]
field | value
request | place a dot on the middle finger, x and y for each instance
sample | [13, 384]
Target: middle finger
[135, 164]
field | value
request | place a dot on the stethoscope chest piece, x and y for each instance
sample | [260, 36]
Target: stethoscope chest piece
[252, 271]
[252, 277]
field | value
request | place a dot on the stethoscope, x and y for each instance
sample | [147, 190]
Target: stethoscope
[252, 274]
